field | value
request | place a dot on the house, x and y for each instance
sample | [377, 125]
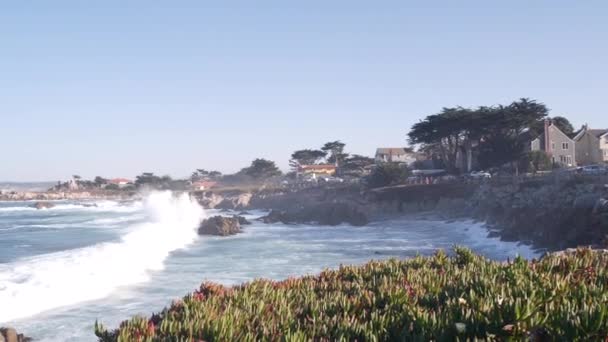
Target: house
[203, 185]
[556, 144]
[395, 155]
[120, 182]
[604, 146]
[589, 146]
[322, 170]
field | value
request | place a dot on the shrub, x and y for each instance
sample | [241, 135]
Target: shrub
[387, 174]
[440, 298]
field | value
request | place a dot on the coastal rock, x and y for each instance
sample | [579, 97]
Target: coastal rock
[11, 335]
[219, 225]
[43, 205]
[330, 214]
[242, 221]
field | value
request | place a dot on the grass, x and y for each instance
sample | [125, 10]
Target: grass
[463, 297]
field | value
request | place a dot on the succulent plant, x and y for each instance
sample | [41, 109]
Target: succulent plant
[464, 297]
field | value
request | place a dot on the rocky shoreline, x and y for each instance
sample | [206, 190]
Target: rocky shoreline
[547, 215]
[66, 195]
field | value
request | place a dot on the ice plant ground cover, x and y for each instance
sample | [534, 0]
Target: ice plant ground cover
[463, 296]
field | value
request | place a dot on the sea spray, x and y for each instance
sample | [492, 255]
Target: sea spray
[37, 284]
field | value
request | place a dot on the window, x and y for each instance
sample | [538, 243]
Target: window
[564, 146]
[569, 160]
[552, 146]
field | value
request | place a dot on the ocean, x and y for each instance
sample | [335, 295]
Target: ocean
[63, 268]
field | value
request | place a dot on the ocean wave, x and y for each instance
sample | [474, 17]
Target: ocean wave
[110, 206]
[37, 284]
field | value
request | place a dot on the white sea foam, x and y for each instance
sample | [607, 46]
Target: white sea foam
[37, 284]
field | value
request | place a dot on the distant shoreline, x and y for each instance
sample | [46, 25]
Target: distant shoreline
[23, 196]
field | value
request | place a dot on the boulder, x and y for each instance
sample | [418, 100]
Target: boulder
[43, 205]
[242, 221]
[11, 335]
[219, 225]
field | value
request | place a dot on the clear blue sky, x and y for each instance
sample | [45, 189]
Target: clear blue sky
[114, 88]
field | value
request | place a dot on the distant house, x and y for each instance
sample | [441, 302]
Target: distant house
[120, 182]
[395, 155]
[556, 144]
[322, 170]
[589, 146]
[203, 185]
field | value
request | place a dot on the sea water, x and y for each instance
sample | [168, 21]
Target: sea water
[63, 268]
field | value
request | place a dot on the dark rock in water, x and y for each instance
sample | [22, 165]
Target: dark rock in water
[43, 205]
[11, 335]
[242, 221]
[274, 216]
[219, 225]
[330, 214]
[89, 205]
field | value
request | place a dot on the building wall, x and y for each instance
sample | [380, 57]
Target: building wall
[536, 145]
[588, 150]
[319, 172]
[561, 148]
[401, 158]
[604, 147]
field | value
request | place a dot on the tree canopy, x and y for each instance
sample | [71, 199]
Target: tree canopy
[494, 134]
[261, 169]
[306, 157]
[335, 149]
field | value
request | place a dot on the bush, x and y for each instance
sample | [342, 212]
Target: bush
[439, 298]
[387, 174]
[537, 161]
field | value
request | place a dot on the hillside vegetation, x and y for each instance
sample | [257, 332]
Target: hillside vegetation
[438, 298]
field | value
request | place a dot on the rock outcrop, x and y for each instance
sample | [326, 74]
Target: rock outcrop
[43, 205]
[554, 216]
[11, 335]
[331, 214]
[220, 225]
[242, 221]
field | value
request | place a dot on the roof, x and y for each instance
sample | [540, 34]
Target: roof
[394, 151]
[317, 167]
[598, 133]
[119, 180]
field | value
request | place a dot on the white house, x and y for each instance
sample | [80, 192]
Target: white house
[395, 155]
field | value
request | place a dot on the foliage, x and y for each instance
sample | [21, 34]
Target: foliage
[560, 122]
[356, 164]
[538, 161]
[335, 149]
[99, 181]
[466, 131]
[261, 169]
[387, 174]
[112, 186]
[149, 179]
[306, 157]
[202, 174]
[464, 297]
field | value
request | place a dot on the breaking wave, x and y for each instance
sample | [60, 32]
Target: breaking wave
[37, 284]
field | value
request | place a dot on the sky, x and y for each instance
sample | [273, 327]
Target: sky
[116, 88]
